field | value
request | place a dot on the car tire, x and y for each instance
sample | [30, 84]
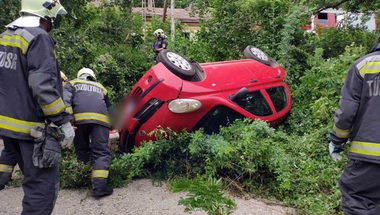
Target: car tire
[177, 64]
[251, 52]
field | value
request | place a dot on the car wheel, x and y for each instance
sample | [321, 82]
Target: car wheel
[177, 64]
[251, 52]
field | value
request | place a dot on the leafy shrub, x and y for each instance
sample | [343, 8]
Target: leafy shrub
[204, 194]
[73, 173]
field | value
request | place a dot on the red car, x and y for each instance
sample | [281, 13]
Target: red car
[181, 95]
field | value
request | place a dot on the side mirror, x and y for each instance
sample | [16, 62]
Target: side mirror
[239, 94]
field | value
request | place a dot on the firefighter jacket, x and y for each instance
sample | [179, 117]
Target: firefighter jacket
[357, 117]
[30, 82]
[90, 102]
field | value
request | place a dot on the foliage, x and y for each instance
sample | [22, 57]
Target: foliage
[204, 194]
[105, 43]
[317, 96]
[9, 11]
[73, 173]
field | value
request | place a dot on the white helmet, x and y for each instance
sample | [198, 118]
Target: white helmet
[42, 8]
[159, 33]
[88, 72]
[32, 10]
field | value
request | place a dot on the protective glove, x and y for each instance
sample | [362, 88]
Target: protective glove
[51, 153]
[47, 148]
[68, 131]
[334, 151]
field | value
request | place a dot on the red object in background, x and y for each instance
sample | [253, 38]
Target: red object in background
[225, 91]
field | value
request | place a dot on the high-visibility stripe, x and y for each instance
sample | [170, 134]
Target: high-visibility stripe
[15, 41]
[365, 148]
[99, 173]
[53, 108]
[69, 109]
[73, 82]
[91, 116]
[17, 125]
[6, 168]
[370, 68]
[341, 133]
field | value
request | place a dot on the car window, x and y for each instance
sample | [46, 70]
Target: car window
[278, 96]
[218, 116]
[255, 103]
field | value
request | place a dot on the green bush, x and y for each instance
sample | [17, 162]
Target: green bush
[204, 194]
[73, 173]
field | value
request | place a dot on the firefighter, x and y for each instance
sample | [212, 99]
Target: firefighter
[160, 44]
[92, 107]
[6, 169]
[357, 119]
[33, 119]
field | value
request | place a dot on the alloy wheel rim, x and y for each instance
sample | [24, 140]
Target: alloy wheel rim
[178, 61]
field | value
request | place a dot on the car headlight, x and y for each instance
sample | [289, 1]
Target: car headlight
[184, 105]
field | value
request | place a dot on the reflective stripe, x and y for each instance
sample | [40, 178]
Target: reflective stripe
[365, 148]
[53, 108]
[25, 34]
[99, 173]
[15, 41]
[341, 133]
[73, 82]
[6, 168]
[370, 68]
[91, 116]
[17, 125]
[69, 109]
[369, 60]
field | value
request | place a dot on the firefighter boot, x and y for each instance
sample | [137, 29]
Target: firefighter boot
[104, 191]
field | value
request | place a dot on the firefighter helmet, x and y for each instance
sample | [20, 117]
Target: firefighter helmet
[87, 71]
[47, 9]
[159, 33]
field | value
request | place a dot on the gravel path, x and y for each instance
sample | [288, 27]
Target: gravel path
[140, 197]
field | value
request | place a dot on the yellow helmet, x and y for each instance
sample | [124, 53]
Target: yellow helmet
[87, 71]
[42, 8]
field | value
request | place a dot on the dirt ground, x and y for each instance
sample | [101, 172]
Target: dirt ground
[140, 197]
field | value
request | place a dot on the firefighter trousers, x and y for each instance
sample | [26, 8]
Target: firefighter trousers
[91, 143]
[7, 163]
[360, 188]
[40, 185]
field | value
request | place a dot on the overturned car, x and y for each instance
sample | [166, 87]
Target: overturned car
[181, 95]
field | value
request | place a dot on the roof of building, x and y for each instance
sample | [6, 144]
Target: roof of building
[184, 15]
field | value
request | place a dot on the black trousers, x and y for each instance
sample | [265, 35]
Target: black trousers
[98, 151]
[7, 163]
[40, 185]
[360, 188]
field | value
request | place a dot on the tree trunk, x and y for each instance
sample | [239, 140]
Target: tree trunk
[172, 19]
[165, 8]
